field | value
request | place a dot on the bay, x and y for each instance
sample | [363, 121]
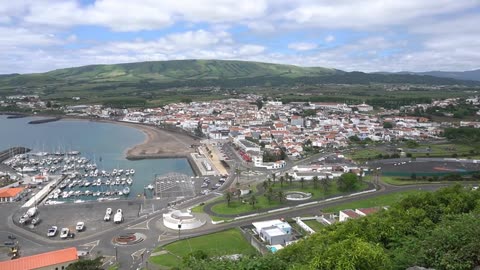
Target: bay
[103, 143]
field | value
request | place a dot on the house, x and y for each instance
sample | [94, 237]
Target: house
[347, 214]
[10, 194]
[367, 211]
[53, 260]
[275, 236]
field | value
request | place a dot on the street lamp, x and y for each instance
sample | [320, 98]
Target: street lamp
[116, 254]
[179, 227]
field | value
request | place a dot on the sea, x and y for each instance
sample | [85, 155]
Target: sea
[102, 143]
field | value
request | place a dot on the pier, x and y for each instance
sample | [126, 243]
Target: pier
[11, 152]
[42, 121]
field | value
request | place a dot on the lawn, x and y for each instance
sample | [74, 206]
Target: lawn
[216, 244]
[381, 200]
[443, 150]
[315, 225]
[365, 154]
[237, 207]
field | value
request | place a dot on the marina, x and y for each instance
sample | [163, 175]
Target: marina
[92, 160]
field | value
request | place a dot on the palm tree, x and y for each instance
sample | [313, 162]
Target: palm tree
[269, 194]
[265, 185]
[302, 181]
[325, 184]
[280, 196]
[228, 197]
[273, 177]
[287, 177]
[290, 179]
[282, 179]
[253, 201]
[269, 181]
[237, 173]
[315, 181]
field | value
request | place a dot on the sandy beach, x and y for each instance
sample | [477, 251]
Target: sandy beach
[159, 143]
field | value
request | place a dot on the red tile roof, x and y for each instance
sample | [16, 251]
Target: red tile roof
[41, 260]
[10, 192]
[368, 211]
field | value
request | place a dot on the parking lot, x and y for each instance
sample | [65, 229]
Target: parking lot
[92, 214]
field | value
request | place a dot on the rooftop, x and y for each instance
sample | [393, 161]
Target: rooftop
[10, 192]
[41, 260]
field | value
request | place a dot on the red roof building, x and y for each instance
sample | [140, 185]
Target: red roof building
[53, 260]
[10, 194]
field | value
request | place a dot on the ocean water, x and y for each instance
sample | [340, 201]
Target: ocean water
[103, 143]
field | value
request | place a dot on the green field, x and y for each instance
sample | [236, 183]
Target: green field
[237, 207]
[315, 225]
[216, 244]
[365, 154]
[381, 200]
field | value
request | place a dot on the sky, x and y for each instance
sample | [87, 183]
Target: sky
[354, 35]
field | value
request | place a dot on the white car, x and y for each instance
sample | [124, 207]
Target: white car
[80, 226]
[64, 233]
[52, 231]
[109, 211]
[107, 217]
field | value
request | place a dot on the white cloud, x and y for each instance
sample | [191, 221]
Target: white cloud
[302, 46]
[329, 38]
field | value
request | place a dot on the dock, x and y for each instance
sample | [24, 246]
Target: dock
[11, 152]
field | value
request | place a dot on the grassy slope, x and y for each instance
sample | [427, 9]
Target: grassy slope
[216, 244]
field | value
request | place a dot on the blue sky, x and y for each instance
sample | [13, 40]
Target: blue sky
[367, 35]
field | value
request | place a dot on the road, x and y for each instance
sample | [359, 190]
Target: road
[130, 257]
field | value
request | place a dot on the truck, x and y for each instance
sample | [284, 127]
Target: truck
[31, 212]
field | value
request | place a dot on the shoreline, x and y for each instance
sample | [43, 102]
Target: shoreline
[159, 143]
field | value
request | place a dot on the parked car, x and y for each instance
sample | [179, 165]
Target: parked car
[12, 237]
[64, 233]
[9, 243]
[107, 217]
[52, 231]
[109, 211]
[80, 226]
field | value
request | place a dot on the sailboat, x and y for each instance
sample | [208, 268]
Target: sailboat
[126, 191]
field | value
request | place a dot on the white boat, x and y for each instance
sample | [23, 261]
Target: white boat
[129, 181]
[150, 187]
[126, 191]
[132, 171]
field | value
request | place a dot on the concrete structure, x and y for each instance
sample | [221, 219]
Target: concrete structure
[179, 220]
[270, 223]
[10, 194]
[53, 260]
[275, 236]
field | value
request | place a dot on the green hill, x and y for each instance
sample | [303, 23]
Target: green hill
[150, 80]
[181, 70]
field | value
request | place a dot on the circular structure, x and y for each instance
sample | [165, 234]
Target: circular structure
[297, 196]
[129, 239]
[178, 220]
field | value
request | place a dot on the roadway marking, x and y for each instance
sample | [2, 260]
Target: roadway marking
[108, 260]
[144, 225]
[92, 245]
[138, 254]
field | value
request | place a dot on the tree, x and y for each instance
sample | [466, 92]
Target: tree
[273, 178]
[387, 125]
[315, 181]
[352, 254]
[280, 196]
[228, 197]
[287, 177]
[265, 185]
[302, 181]
[281, 179]
[85, 264]
[253, 201]
[290, 179]
[347, 182]
[269, 194]
[325, 182]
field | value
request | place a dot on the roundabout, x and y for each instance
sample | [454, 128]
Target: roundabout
[128, 239]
